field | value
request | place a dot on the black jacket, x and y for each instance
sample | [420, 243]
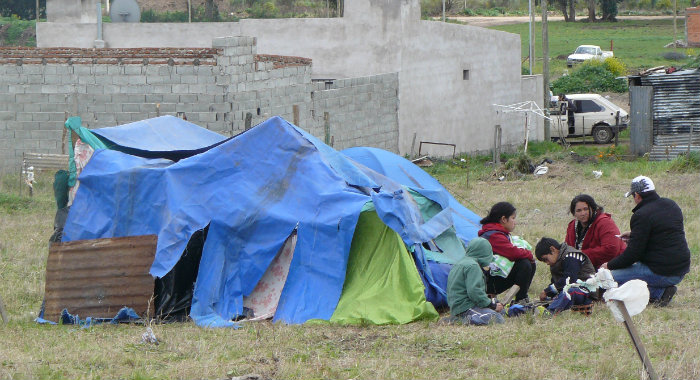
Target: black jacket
[657, 238]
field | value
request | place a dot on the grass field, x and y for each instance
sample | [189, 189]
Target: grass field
[638, 43]
[569, 346]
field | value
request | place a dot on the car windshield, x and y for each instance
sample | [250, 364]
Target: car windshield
[585, 50]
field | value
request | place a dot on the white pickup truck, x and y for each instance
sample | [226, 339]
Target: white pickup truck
[586, 52]
[594, 116]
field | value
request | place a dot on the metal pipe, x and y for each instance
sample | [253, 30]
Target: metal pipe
[99, 21]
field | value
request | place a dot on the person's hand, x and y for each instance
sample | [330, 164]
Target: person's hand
[625, 236]
[604, 266]
[543, 296]
[499, 307]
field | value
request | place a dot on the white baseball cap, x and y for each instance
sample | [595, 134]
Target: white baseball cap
[640, 184]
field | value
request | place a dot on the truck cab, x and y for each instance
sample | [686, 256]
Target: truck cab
[594, 116]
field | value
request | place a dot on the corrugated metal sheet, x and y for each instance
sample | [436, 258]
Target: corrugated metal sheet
[676, 101]
[668, 147]
[675, 110]
[98, 277]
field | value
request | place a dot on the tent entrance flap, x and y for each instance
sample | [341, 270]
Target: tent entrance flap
[382, 284]
[173, 292]
[262, 301]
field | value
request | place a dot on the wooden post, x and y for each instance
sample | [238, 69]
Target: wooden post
[295, 113]
[527, 133]
[638, 344]
[3, 313]
[690, 138]
[326, 128]
[617, 128]
[497, 145]
[508, 295]
[248, 120]
[413, 145]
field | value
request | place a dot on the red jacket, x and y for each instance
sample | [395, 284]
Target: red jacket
[600, 243]
[501, 243]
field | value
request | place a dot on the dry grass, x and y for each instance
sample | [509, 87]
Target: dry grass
[569, 346]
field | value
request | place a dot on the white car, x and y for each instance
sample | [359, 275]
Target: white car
[594, 116]
[586, 52]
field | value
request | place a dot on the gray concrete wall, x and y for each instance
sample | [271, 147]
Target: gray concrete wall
[37, 93]
[374, 36]
[370, 104]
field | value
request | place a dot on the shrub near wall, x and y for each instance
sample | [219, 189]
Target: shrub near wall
[593, 76]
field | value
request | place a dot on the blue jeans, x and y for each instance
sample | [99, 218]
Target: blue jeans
[655, 282]
[479, 316]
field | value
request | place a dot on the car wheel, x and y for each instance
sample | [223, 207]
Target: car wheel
[602, 134]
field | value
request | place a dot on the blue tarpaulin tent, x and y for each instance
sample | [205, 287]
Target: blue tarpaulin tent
[252, 191]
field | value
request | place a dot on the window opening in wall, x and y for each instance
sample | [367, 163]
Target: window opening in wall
[258, 111]
[465, 74]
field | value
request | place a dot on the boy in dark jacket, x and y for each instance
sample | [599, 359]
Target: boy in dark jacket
[566, 265]
[466, 289]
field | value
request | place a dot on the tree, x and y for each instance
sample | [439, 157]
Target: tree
[211, 11]
[591, 10]
[609, 10]
[568, 9]
[25, 9]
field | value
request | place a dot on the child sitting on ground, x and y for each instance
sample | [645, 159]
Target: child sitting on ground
[566, 264]
[466, 288]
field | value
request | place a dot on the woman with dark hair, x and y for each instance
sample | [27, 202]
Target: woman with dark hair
[593, 231]
[496, 228]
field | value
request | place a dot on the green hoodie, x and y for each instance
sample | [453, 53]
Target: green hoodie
[465, 284]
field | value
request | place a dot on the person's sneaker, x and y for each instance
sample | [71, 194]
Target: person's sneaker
[666, 297]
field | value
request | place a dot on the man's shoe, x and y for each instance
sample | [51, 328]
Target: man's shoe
[666, 296]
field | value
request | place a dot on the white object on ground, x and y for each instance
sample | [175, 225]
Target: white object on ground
[597, 173]
[541, 170]
[634, 294]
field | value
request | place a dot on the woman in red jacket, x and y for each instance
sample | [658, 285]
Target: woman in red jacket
[593, 231]
[496, 228]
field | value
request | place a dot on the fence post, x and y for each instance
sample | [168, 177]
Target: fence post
[497, 144]
[248, 120]
[617, 129]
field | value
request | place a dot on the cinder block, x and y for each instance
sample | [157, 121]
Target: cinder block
[133, 69]
[137, 79]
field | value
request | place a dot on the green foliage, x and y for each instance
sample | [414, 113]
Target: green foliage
[664, 4]
[23, 9]
[615, 66]
[591, 76]
[263, 10]
[686, 163]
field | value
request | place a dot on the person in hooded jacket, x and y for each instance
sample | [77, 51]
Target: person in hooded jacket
[466, 288]
[496, 228]
[593, 231]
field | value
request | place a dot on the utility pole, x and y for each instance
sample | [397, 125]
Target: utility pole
[443, 10]
[675, 11]
[545, 70]
[37, 13]
[531, 51]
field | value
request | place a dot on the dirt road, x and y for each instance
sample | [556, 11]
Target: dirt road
[507, 20]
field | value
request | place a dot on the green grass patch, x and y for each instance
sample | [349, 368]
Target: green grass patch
[638, 44]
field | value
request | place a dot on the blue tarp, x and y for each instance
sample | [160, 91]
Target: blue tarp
[252, 190]
[408, 174]
[161, 137]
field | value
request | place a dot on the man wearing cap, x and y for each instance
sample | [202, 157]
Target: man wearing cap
[657, 251]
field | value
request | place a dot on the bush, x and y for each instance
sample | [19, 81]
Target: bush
[264, 10]
[591, 76]
[615, 66]
[674, 56]
[687, 163]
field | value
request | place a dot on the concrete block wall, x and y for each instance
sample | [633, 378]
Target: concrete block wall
[213, 87]
[368, 104]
